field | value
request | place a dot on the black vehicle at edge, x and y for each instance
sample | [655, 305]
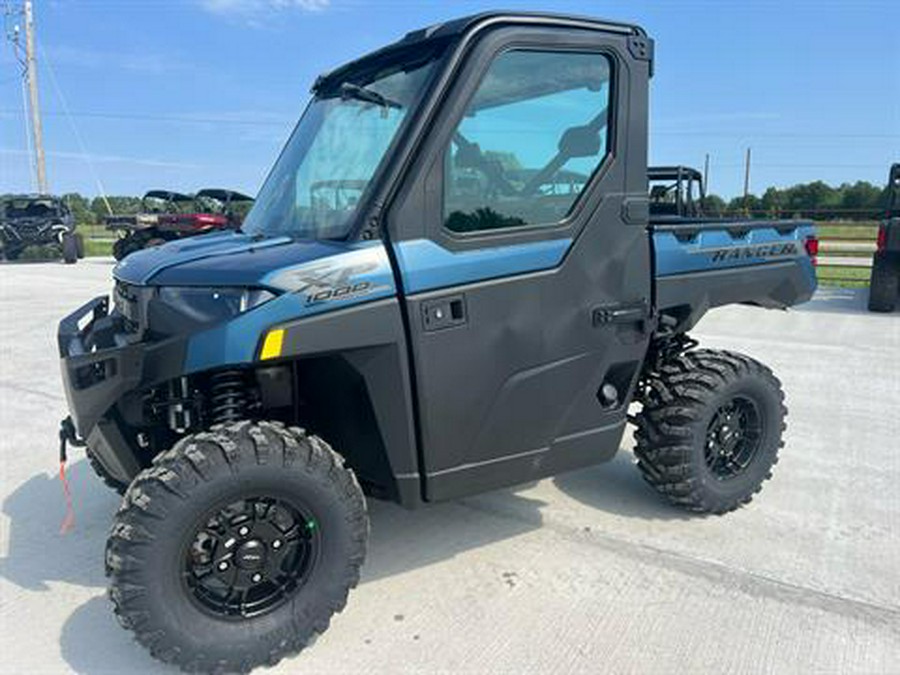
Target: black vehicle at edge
[884, 284]
[466, 317]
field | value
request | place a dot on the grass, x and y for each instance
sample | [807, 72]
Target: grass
[98, 240]
[97, 247]
[862, 231]
[844, 277]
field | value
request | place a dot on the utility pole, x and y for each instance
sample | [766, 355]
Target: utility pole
[747, 179]
[36, 128]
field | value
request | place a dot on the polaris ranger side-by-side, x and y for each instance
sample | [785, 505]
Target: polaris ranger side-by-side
[884, 284]
[473, 317]
[166, 216]
[676, 192]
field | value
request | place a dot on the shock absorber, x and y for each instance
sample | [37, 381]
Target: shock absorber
[228, 398]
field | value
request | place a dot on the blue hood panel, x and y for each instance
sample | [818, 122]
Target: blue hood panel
[221, 259]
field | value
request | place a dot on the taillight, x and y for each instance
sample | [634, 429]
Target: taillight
[812, 248]
[207, 219]
[881, 241]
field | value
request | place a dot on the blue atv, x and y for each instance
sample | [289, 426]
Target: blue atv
[450, 283]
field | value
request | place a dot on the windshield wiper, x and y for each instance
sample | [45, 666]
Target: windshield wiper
[354, 91]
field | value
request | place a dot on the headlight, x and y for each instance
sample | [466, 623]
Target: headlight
[208, 305]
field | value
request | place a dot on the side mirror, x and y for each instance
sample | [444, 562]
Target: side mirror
[580, 142]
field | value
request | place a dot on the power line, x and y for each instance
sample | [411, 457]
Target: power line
[78, 138]
[286, 121]
[186, 119]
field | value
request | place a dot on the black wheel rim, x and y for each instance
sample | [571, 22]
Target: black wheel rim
[251, 556]
[733, 438]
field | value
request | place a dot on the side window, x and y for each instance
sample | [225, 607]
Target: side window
[529, 141]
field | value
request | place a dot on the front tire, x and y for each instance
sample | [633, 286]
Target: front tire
[236, 547]
[108, 479]
[710, 429]
[69, 249]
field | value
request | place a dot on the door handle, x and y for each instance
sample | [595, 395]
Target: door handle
[622, 313]
[443, 312]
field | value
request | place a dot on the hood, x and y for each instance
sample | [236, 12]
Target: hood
[220, 259]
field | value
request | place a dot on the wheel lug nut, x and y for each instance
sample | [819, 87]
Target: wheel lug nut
[276, 543]
[257, 578]
[244, 531]
[223, 566]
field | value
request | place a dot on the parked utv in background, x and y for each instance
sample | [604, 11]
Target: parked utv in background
[448, 284]
[675, 192]
[166, 216]
[884, 285]
[38, 220]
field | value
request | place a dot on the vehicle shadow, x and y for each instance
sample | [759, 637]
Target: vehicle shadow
[37, 553]
[91, 642]
[401, 540]
[616, 487]
[834, 300]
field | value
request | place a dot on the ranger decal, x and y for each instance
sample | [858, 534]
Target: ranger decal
[734, 253]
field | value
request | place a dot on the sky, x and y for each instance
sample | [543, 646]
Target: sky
[184, 94]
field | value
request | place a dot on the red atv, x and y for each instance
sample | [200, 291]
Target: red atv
[167, 215]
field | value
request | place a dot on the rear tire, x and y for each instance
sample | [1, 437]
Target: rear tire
[884, 285]
[69, 249]
[197, 528]
[710, 429]
[79, 245]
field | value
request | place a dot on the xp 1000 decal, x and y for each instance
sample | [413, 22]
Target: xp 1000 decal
[356, 274]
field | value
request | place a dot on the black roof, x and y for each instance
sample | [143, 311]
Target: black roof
[673, 172]
[34, 196]
[457, 27]
[167, 195]
[224, 195]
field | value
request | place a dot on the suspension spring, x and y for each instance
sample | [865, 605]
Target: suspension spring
[228, 398]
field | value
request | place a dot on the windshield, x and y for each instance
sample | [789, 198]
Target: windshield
[317, 184]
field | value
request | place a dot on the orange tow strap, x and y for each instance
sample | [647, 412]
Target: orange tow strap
[69, 519]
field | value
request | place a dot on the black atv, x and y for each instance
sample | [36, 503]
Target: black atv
[884, 284]
[38, 220]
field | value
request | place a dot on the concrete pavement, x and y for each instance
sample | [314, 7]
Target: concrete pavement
[588, 572]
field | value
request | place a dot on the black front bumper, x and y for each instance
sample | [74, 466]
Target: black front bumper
[20, 237]
[101, 363]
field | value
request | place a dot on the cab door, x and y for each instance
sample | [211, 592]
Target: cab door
[521, 247]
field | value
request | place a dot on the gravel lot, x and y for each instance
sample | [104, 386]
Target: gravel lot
[587, 572]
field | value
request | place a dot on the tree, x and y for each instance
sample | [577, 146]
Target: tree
[713, 205]
[80, 208]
